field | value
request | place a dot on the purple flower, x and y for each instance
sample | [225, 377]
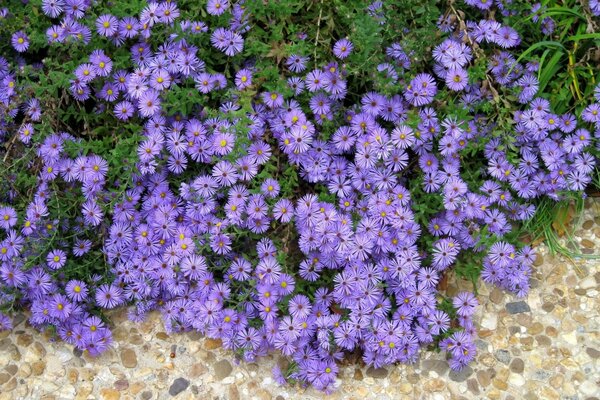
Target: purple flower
[421, 90]
[20, 41]
[243, 78]
[217, 7]
[56, 259]
[465, 304]
[8, 217]
[108, 296]
[107, 25]
[342, 48]
[296, 63]
[457, 79]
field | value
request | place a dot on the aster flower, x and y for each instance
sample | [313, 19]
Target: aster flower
[457, 79]
[108, 296]
[56, 259]
[20, 41]
[465, 304]
[421, 90]
[296, 63]
[243, 78]
[8, 217]
[107, 25]
[342, 48]
[217, 7]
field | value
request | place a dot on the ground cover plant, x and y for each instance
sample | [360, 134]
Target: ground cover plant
[292, 176]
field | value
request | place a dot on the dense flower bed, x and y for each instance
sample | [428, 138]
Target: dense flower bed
[305, 195]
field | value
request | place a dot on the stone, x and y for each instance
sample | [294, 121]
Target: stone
[178, 386]
[121, 384]
[541, 375]
[517, 366]
[128, 358]
[462, 375]
[588, 224]
[484, 378]
[503, 356]
[548, 307]
[594, 353]
[539, 260]
[378, 373]
[473, 386]
[516, 380]
[517, 307]
[570, 337]
[588, 283]
[490, 321]
[500, 384]
[212, 344]
[4, 377]
[110, 394]
[222, 369]
[543, 340]
[38, 367]
[358, 375]
[39, 350]
[234, 393]
[496, 295]
[439, 366]
[146, 395]
[588, 388]
[197, 369]
[72, 375]
[162, 336]
[434, 385]
[588, 244]
[535, 328]
[24, 340]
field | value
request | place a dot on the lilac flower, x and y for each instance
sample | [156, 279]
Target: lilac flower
[20, 41]
[56, 259]
[217, 7]
[296, 63]
[108, 296]
[243, 78]
[421, 90]
[107, 25]
[342, 48]
[457, 79]
[465, 304]
[8, 217]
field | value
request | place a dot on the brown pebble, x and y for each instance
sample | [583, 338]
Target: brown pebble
[4, 377]
[592, 352]
[588, 244]
[121, 384]
[548, 307]
[517, 365]
[110, 394]
[484, 378]
[128, 358]
[24, 340]
[358, 375]
[543, 340]
[473, 386]
[38, 367]
[211, 344]
[588, 224]
[162, 336]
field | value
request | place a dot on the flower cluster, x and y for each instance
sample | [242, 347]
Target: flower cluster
[304, 217]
